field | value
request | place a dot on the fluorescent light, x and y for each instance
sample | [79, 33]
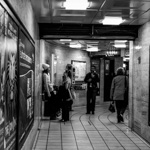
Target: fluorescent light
[67, 40]
[112, 20]
[75, 45]
[92, 49]
[138, 47]
[120, 41]
[120, 45]
[76, 4]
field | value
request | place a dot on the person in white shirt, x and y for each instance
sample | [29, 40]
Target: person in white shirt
[47, 90]
[47, 87]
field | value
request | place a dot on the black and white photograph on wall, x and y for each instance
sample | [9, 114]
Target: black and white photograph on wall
[9, 69]
[26, 79]
[2, 75]
[80, 69]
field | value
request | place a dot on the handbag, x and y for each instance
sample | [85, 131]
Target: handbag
[70, 95]
[73, 93]
[111, 107]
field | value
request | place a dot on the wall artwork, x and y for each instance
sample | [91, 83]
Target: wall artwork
[9, 81]
[17, 63]
[2, 77]
[26, 89]
[149, 92]
[80, 69]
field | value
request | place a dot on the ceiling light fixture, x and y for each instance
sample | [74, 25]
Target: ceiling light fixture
[75, 45]
[92, 49]
[120, 45]
[76, 4]
[138, 47]
[110, 20]
[120, 41]
[65, 40]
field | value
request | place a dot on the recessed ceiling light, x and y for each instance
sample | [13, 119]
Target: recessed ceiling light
[110, 20]
[92, 49]
[65, 40]
[76, 4]
[120, 45]
[120, 41]
[75, 45]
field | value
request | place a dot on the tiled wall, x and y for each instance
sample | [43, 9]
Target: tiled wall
[140, 87]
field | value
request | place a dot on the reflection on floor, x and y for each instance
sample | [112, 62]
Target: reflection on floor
[88, 132]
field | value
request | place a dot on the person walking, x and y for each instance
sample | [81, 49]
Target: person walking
[92, 80]
[117, 93]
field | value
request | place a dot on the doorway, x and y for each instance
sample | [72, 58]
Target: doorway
[108, 76]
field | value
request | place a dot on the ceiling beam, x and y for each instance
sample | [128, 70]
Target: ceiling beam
[51, 30]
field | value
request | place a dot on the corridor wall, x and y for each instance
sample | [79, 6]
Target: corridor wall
[139, 83]
[21, 20]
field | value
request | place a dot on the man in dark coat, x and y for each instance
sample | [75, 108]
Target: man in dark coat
[92, 80]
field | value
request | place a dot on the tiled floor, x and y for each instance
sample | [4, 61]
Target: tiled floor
[88, 132]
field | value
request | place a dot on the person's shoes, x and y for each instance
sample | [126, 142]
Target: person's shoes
[87, 113]
[118, 121]
[61, 120]
[121, 118]
[93, 112]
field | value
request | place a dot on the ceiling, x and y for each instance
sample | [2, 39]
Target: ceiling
[85, 26]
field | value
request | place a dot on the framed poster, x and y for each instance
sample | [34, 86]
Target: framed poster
[149, 92]
[9, 67]
[2, 75]
[80, 69]
[26, 86]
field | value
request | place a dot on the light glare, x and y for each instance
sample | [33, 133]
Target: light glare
[112, 20]
[76, 4]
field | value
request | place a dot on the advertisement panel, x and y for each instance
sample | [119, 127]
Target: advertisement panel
[80, 69]
[9, 81]
[2, 31]
[26, 80]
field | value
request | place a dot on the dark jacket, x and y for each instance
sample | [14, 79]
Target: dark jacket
[94, 80]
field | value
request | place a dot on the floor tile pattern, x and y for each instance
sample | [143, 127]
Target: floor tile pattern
[88, 132]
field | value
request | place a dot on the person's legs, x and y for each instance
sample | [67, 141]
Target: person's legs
[88, 108]
[63, 111]
[124, 106]
[118, 108]
[93, 101]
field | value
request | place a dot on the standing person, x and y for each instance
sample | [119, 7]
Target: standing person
[46, 80]
[47, 88]
[118, 86]
[66, 96]
[92, 80]
[70, 88]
